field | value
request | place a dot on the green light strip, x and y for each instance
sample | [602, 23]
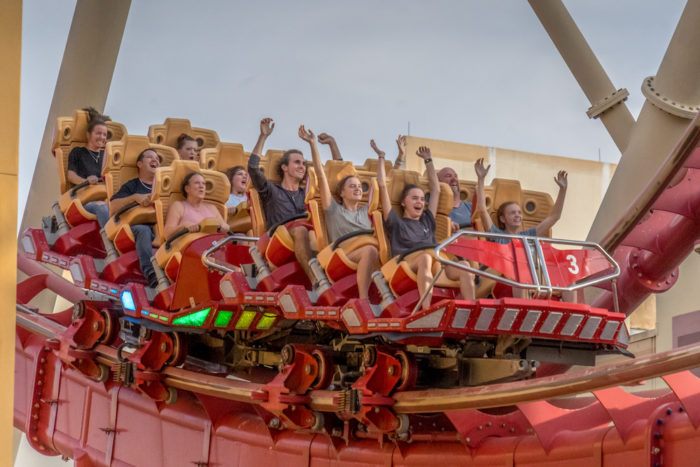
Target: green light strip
[193, 319]
[223, 318]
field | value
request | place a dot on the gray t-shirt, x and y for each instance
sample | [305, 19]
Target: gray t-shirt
[279, 204]
[341, 221]
[406, 234]
[462, 214]
[531, 232]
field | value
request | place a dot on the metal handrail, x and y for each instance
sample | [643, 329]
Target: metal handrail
[228, 239]
[528, 241]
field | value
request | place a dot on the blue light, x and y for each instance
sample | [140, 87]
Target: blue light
[128, 301]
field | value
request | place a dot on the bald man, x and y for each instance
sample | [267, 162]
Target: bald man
[461, 213]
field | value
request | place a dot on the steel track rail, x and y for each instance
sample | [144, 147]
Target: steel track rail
[421, 401]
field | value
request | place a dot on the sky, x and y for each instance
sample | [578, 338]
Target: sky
[477, 72]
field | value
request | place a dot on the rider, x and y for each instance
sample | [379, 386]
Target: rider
[139, 189]
[193, 210]
[509, 214]
[85, 163]
[286, 199]
[417, 228]
[345, 217]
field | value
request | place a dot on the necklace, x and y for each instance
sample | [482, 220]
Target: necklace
[95, 155]
[146, 186]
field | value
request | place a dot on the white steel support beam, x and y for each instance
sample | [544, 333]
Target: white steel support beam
[607, 102]
[660, 124]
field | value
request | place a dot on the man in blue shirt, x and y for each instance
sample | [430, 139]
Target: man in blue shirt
[461, 213]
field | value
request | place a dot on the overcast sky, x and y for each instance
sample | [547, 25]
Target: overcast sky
[470, 71]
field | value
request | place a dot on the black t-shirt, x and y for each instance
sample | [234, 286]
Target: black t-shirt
[406, 234]
[133, 187]
[84, 162]
[279, 204]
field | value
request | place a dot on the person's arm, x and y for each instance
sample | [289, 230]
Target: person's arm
[117, 203]
[549, 221]
[325, 138]
[172, 220]
[76, 179]
[381, 181]
[433, 182]
[309, 137]
[401, 157]
[256, 175]
[481, 172]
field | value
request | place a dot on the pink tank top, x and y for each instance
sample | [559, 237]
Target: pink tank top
[191, 216]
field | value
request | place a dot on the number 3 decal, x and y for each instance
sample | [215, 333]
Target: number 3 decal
[573, 268]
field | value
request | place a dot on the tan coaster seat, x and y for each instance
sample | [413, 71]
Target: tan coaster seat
[166, 191]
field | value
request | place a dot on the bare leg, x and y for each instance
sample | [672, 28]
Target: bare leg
[367, 259]
[466, 281]
[422, 266]
[302, 250]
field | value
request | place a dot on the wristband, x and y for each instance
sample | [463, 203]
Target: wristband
[428, 160]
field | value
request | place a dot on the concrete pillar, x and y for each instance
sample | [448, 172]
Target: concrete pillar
[10, 57]
[607, 102]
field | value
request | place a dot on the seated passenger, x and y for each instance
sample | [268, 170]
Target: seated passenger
[510, 218]
[345, 217]
[193, 210]
[509, 214]
[139, 190]
[239, 183]
[187, 148]
[461, 214]
[85, 163]
[417, 227]
[283, 201]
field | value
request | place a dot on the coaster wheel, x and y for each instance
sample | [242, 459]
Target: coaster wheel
[408, 372]
[111, 326]
[325, 369]
[179, 352]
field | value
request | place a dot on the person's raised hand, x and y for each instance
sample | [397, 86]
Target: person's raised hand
[479, 168]
[266, 126]
[423, 152]
[325, 138]
[401, 143]
[92, 180]
[561, 179]
[379, 152]
[306, 135]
